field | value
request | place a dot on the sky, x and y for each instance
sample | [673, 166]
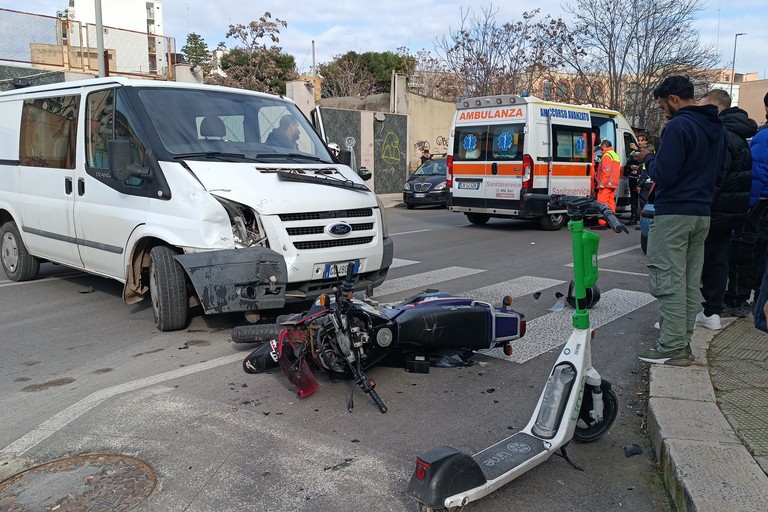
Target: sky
[364, 25]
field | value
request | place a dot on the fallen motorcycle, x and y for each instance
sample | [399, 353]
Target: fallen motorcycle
[344, 336]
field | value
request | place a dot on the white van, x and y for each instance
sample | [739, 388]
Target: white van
[503, 147]
[174, 190]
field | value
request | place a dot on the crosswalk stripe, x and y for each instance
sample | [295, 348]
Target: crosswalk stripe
[552, 330]
[422, 280]
[515, 287]
[397, 262]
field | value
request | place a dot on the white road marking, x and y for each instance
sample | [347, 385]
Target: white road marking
[397, 262]
[515, 287]
[410, 232]
[613, 253]
[422, 280]
[552, 330]
[57, 277]
[74, 411]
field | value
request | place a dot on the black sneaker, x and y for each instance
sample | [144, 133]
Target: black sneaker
[742, 311]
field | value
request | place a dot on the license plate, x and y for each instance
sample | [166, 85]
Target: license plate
[330, 270]
[471, 185]
[419, 196]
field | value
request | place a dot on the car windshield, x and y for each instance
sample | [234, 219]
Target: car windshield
[431, 168]
[201, 124]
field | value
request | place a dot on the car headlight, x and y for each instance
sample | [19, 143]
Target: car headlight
[407, 186]
[440, 186]
[384, 230]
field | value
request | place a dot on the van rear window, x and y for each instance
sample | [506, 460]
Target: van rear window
[489, 142]
[48, 132]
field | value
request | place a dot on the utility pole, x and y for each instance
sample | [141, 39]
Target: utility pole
[100, 39]
[733, 63]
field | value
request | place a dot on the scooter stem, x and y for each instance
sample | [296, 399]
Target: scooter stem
[576, 227]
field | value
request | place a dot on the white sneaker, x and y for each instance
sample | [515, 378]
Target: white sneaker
[710, 322]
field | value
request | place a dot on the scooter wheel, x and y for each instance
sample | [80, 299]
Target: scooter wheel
[593, 432]
[258, 333]
[420, 507]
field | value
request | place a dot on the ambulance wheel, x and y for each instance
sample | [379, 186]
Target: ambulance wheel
[553, 221]
[478, 219]
[167, 290]
[593, 432]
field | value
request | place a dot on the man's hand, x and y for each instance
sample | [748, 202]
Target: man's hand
[641, 155]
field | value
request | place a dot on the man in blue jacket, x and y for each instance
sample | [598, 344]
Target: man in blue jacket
[749, 242]
[759, 148]
[688, 164]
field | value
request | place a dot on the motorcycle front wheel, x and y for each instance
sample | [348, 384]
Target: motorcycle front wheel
[593, 432]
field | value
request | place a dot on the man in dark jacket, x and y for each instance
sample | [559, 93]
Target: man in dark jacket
[749, 242]
[685, 169]
[729, 209]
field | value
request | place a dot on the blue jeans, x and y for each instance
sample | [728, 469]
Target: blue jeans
[675, 260]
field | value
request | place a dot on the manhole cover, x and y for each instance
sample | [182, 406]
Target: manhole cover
[93, 482]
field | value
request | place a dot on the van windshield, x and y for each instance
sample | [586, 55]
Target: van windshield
[196, 124]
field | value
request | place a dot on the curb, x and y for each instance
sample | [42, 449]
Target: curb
[704, 464]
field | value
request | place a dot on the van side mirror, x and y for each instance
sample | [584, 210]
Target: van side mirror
[345, 157]
[364, 173]
[121, 166]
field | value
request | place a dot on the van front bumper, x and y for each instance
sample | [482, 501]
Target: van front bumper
[233, 280]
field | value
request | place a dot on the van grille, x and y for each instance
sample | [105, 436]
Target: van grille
[324, 244]
[331, 214]
[309, 230]
[316, 230]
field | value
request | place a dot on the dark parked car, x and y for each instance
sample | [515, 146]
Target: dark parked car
[426, 186]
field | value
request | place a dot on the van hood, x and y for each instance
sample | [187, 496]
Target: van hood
[260, 187]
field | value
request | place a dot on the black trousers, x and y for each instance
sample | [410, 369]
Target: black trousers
[714, 273]
[642, 199]
[634, 197]
[746, 260]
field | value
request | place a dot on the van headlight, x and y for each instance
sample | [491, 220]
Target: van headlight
[384, 230]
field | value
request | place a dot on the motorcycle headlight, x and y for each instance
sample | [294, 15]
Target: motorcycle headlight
[407, 186]
[440, 186]
[384, 229]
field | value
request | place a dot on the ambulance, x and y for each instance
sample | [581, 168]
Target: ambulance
[504, 147]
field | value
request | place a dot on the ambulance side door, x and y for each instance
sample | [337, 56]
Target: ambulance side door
[572, 167]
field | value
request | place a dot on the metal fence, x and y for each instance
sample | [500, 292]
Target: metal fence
[48, 42]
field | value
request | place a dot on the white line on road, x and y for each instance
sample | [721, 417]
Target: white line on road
[74, 411]
[410, 232]
[57, 277]
[614, 253]
[423, 279]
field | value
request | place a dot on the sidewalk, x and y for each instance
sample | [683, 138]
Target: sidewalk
[708, 423]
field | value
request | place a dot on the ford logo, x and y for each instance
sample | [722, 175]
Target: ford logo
[339, 229]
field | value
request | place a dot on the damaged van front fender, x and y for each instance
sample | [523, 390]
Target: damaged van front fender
[235, 280]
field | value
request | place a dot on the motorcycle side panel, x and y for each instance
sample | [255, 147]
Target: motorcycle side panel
[439, 327]
[449, 472]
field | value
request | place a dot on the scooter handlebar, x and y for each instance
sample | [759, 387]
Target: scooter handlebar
[582, 203]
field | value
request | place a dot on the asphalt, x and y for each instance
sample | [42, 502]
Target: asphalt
[708, 422]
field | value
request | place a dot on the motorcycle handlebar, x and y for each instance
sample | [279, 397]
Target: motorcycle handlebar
[581, 203]
[379, 403]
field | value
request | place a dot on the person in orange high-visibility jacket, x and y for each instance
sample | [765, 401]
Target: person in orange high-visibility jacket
[608, 177]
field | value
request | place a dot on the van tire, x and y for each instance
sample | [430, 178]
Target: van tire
[255, 333]
[168, 290]
[554, 221]
[478, 219]
[18, 264]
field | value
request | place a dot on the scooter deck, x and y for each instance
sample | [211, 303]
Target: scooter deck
[507, 454]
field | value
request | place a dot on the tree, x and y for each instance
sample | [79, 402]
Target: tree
[254, 65]
[196, 51]
[491, 59]
[361, 74]
[626, 49]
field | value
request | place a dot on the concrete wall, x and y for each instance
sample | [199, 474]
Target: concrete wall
[430, 123]
[751, 100]
[303, 93]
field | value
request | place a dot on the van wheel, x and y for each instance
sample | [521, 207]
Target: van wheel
[18, 264]
[478, 219]
[168, 290]
[553, 221]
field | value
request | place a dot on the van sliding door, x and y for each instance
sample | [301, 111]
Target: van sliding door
[572, 167]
